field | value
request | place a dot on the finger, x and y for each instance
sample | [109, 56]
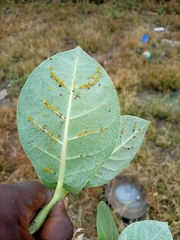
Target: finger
[18, 205]
[9, 229]
[58, 225]
[34, 194]
[30, 196]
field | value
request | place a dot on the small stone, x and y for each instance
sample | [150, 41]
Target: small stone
[3, 94]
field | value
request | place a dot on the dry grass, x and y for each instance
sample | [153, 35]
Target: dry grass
[111, 33]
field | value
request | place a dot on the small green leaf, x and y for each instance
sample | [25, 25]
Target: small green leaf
[131, 135]
[68, 118]
[146, 230]
[106, 226]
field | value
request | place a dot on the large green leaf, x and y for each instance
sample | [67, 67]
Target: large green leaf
[68, 119]
[146, 230]
[131, 135]
[106, 226]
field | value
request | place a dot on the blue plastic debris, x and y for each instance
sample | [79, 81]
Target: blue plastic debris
[145, 38]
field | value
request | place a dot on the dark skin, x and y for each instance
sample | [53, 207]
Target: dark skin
[19, 204]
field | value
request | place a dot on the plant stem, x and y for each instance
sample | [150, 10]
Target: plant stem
[42, 215]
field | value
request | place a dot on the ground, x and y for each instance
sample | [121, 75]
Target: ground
[149, 88]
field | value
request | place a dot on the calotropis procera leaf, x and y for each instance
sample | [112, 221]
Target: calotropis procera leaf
[106, 226]
[68, 118]
[131, 135]
[145, 230]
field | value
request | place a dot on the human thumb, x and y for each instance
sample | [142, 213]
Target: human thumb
[58, 225]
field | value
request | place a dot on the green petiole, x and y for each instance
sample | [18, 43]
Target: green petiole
[42, 215]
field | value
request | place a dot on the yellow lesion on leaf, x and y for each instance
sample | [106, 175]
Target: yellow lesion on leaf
[122, 132]
[102, 104]
[38, 148]
[101, 130]
[56, 78]
[85, 133]
[47, 169]
[36, 125]
[80, 134]
[33, 122]
[90, 132]
[77, 96]
[46, 103]
[30, 118]
[54, 138]
[135, 125]
[95, 78]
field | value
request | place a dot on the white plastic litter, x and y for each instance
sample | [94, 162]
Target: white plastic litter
[159, 29]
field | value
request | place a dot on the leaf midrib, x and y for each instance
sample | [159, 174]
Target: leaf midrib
[65, 136]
